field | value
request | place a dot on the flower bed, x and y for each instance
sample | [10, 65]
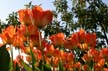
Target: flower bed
[58, 52]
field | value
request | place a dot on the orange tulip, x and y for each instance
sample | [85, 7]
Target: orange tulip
[37, 53]
[97, 68]
[91, 39]
[97, 58]
[8, 34]
[81, 36]
[35, 39]
[101, 62]
[105, 69]
[27, 31]
[93, 52]
[25, 16]
[55, 61]
[62, 55]
[71, 43]
[68, 44]
[57, 39]
[77, 65]
[41, 18]
[85, 67]
[83, 46]
[104, 52]
[69, 58]
[49, 50]
[86, 58]
[18, 39]
[22, 29]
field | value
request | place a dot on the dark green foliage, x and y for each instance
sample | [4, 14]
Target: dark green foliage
[93, 17]
[47, 67]
[43, 66]
[4, 59]
[13, 19]
[17, 68]
[33, 60]
[61, 66]
[2, 26]
[26, 66]
[70, 15]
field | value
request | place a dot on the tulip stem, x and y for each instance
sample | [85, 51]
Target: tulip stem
[40, 44]
[28, 42]
[41, 48]
[11, 51]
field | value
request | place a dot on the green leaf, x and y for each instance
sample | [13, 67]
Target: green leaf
[27, 67]
[44, 67]
[17, 68]
[37, 69]
[4, 59]
[33, 59]
[40, 65]
[106, 64]
[61, 66]
[47, 67]
[10, 65]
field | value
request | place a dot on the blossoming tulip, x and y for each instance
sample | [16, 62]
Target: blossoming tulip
[41, 18]
[25, 16]
[58, 39]
[8, 34]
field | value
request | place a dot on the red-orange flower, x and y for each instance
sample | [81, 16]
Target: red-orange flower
[25, 16]
[93, 52]
[27, 30]
[81, 36]
[55, 61]
[35, 38]
[41, 18]
[86, 58]
[37, 54]
[7, 35]
[91, 39]
[62, 55]
[56, 52]
[77, 65]
[57, 39]
[101, 62]
[69, 58]
[49, 50]
[105, 69]
[18, 39]
[83, 46]
[104, 52]
[71, 42]
[97, 67]
[85, 67]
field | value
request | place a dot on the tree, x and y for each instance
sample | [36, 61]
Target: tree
[70, 15]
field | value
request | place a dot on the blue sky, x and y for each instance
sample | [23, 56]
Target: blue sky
[8, 6]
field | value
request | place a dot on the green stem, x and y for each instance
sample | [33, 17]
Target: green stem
[41, 48]
[11, 51]
[33, 66]
[28, 42]
[40, 45]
